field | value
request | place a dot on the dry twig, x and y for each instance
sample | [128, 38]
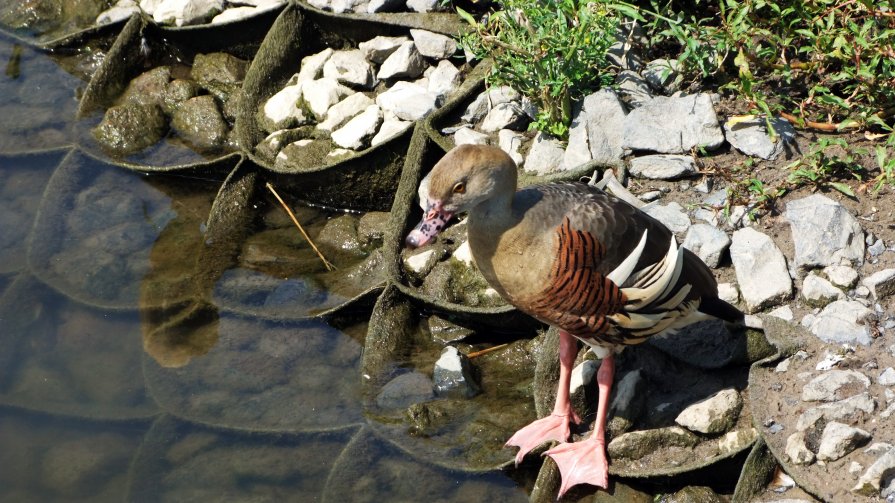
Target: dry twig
[326, 263]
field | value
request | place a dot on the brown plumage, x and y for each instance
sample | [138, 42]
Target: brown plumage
[576, 258]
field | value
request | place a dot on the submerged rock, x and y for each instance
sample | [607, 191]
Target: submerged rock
[199, 122]
[453, 375]
[131, 127]
[405, 390]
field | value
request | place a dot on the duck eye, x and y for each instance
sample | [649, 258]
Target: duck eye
[459, 188]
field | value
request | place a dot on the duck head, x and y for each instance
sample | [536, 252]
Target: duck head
[466, 177]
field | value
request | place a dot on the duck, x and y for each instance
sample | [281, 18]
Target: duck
[578, 259]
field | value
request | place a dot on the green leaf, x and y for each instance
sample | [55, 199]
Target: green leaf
[466, 16]
[845, 189]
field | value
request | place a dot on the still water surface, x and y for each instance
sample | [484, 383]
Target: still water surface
[135, 367]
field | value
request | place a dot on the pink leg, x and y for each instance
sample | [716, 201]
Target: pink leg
[585, 461]
[554, 427]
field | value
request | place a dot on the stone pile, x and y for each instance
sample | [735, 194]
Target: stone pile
[199, 109]
[358, 98]
[187, 12]
[377, 6]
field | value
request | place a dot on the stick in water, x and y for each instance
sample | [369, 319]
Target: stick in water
[326, 263]
[486, 350]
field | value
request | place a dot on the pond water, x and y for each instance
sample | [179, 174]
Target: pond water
[151, 353]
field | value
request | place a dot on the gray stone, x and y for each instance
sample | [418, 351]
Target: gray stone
[596, 131]
[824, 232]
[837, 440]
[149, 87]
[502, 94]
[633, 89]
[344, 111]
[673, 125]
[477, 109]
[842, 276]
[715, 414]
[650, 196]
[819, 292]
[663, 75]
[176, 92]
[796, 450]
[751, 137]
[843, 321]
[405, 390]
[232, 14]
[636, 444]
[407, 101]
[356, 134]
[321, 94]
[466, 135]
[834, 385]
[443, 79]
[421, 262]
[760, 269]
[505, 116]
[545, 155]
[881, 283]
[199, 123]
[218, 72]
[849, 410]
[433, 45]
[887, 378]
[877, 248]
[877, 476]
[707, 242]
[511, 142]
[378, 49]
[453, 375]
[672, 215]
[351, 68]
[663, 166]
[312, 66]
[404, 62]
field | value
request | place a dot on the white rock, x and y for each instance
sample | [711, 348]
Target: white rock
[596, 131]
[433, 45]
[149, 6]
[728, 293]
[819, 292]
[760, 269]
[835, 385]
[357, 133]
[824, 232]
[282, 108]
[797, 451]
[389, 129]
[673, 125]
[321, 94]
[849, 411]
[887, 378]
[511, 142]
[715, 414]
[444, 79]
[751, 137]
[469, 136]
[312, 66]
[545, 155]
[879, 473]
[422, 5]
[582, 375]
[378, 49]
[351, 68]
[185, 12]
[385, 6]
[463, 254]
[407, 101]
[505, 116]
[782, 312]
[345, 110]
[843, 321]
[418, 262]
[235, 14]
[839, 439]
[881, 283]
[404, 62]
[841, 275]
